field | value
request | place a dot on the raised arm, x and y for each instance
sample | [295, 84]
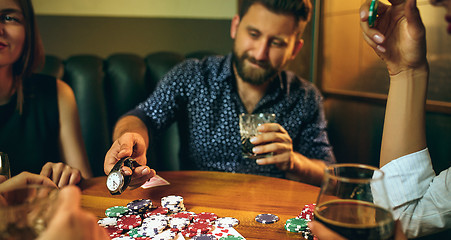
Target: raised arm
[399, 40]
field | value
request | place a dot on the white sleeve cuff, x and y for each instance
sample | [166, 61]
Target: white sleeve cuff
[408, 177]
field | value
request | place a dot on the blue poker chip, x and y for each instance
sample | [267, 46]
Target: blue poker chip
[140, 205]
[204, 237]
[266, 218]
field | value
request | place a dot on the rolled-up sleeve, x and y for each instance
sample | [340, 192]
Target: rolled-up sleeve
[420, 199]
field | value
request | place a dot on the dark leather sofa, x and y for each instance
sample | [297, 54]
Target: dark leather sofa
[107, 88]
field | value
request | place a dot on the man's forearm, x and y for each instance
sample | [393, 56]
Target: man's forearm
[131, 124]
[307, 170]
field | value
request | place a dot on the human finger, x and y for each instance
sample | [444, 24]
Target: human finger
[275, 159]
[56, 171]
[65, 176]
[111, 157]
[25, 178]
[371, 35]
[324, 233]
[140, 175]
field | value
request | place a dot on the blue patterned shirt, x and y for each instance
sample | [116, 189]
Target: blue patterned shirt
[201, 95]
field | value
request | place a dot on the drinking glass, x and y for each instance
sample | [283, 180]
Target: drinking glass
[4, 165]
[248, 129]
[26, 211]
[353, 202]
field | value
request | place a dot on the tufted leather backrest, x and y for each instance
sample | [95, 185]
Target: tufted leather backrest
[84, 73]
[105, 89]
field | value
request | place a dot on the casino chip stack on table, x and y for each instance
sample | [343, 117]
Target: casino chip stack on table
[142, 220]
[299, 223]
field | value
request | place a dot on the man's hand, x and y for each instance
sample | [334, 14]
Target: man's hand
[398, 36]
[70, 221]
[61, 174]
[130, 145]
[274, 139]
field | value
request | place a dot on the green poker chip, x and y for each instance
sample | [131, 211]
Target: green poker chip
[372, 14]
[296, 225]
[116, 211]
[230, 237]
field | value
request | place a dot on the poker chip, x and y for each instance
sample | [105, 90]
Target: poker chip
[204, 237]
[156, 211]
[184, 214]
[129, 221]
[171, 199]
[205, 217]
[296, 225]
[123, 238]
[266, 218]
[140, 205]
[231, 237]
[186, 233]
[108, 221]
[161, 219]
[114, 230]
[200, 227]
[307, 212]
[226, 222]
[116, 211]
[166, 235]
[173, 203]
[179, 223]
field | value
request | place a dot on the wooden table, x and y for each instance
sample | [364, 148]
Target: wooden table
[242, 196]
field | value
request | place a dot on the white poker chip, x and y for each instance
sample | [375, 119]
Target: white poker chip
[226, 222]
[157, 218]
[123, 238]
[172, 200]
[107, 222]
[179, 223]
[166, 235]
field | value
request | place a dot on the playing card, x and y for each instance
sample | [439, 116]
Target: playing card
[155, 181]
[225, 231]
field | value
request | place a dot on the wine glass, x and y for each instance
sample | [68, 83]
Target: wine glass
[353, 202]
[26, 211]
[4, 165]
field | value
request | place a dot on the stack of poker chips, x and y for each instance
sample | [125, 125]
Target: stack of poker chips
[299, 223]
[173, 203]
[139, 206]
[140, 219]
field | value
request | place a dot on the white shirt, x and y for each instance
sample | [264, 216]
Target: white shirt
[420, 199]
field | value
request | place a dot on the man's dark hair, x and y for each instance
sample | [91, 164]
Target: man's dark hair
[300, 9]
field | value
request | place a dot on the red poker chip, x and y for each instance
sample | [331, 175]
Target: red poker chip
[200, 227]
[113, 230]
[205, 217]
[188, 215]
[307, 211]
[129, 221]
[156, 211]
[186, 233]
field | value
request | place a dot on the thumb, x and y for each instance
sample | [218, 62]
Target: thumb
[69, 198]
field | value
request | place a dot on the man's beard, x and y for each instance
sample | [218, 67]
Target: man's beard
[252, 75]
